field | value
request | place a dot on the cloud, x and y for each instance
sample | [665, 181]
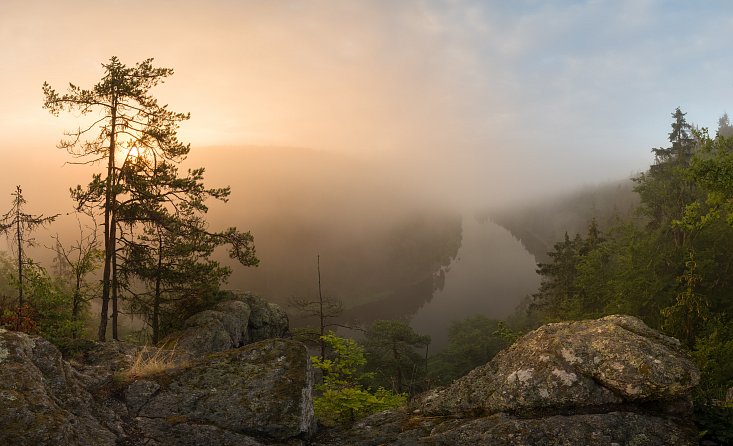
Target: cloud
[470, 98]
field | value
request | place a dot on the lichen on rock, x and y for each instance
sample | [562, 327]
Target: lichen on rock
[594, 363]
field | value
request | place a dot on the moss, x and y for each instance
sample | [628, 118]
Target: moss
[644, 369]
[72, 348]
[176, 419]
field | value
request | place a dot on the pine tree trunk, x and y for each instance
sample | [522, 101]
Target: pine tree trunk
[156, 298]
[114, 294]
[109, 234]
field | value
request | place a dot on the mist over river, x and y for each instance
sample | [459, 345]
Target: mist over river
[491, 274]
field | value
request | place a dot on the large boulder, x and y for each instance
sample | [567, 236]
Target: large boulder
[42, 399]
[262, 390]
[234, 322]
[606, 382]
[591, 364]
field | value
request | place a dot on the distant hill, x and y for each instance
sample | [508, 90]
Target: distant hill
[377, 241]
[539, 225]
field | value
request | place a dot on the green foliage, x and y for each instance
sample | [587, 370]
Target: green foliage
[172, 262]
[471, 342]
[672, 269]
[689, 313]
[343, 399]
[48, 308]
[18, 224]
[19, 319]
[351, 403]
[343, 369]
[143, 192]
[714, 356]
[715, 422]
[52, 302]
[393, 357]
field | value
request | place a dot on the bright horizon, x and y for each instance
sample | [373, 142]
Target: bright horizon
[468, 101]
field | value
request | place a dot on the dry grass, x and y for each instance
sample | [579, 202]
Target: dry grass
[150, 361]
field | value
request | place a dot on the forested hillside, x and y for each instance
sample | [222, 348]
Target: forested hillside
[539, 224]
[668, 263]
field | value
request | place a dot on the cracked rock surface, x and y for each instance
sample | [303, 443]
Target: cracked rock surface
[42, 399]
[262, 390]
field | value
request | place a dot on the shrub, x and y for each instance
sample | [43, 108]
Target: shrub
[343, 399]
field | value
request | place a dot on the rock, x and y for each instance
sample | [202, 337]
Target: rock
[97, 365]
[238, 322]
[205, 332]
[232, 323]
[267, 320]
[600, 363]
[610, 429]
[42, 400]
[397, 428]
[260, 390]
[137, 394]
[257, 394]
[173, 432]
[611, 381]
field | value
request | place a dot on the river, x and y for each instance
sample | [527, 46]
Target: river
[491, 275]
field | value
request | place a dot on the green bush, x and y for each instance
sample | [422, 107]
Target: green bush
[343, 399]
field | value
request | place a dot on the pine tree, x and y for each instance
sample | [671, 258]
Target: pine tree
[391, 353]
[137, 138]
[20, 224]
[665, 190]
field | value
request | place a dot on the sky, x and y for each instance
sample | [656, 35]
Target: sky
[476, 102]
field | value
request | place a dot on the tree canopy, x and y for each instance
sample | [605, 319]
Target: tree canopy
[150, 210]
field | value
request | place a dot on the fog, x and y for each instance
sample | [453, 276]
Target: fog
[363, 131]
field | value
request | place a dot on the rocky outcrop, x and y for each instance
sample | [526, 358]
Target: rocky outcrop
[208, 393]
[605, 382]
[257, 394]
[584, 365]
[42, 399]
[232, 323]
[262, 390]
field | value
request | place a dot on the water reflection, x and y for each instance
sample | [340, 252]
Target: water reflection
[491, 275]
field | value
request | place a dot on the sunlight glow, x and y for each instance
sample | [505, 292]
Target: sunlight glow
[134, 152]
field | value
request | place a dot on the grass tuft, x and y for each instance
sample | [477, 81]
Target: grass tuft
[150, 361]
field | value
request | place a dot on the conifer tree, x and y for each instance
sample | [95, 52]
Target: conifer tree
[19, 224]
[137, 139]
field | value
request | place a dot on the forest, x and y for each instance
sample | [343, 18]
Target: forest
[144, 247]
[667, 262]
